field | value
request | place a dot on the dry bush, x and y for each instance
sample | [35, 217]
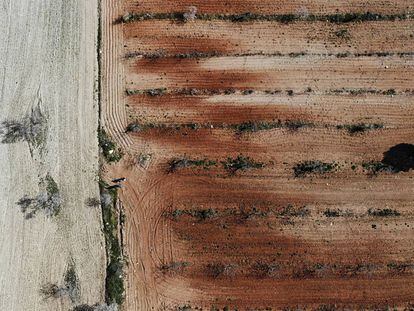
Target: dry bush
[70, 288]
[49, 200]
[93, 202]
[174, 267]
[264, 269]
[216, 270]
[52, 291]
[191, 14]
[31, 128]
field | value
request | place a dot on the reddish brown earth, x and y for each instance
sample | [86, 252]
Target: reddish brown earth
[262, 238]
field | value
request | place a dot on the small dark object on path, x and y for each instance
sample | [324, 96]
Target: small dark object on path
[114, 187]
[118, 180]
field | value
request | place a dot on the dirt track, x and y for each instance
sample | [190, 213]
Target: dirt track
[201, 235]
[48, 58]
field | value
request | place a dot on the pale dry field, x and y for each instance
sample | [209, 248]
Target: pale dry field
[48, 59]
[181, 98]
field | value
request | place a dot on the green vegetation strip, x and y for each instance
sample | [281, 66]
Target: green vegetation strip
[230, 91]
[114, 272]
[249, 126]
[200, 55]
[231, 165]
[281, 18]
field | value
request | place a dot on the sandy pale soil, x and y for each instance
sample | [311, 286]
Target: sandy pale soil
[200, 235]
[48, 60]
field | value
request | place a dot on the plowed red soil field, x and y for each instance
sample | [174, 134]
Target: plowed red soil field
[267, 149]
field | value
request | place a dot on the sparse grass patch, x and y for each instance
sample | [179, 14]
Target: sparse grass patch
[400, 267]
[144, 160]
[184, 308]
[313, 167]
[293, 211]
[251, 126]
[294, 125]
[93, 202]
[338, 18]
[240, 163]
[97, 307]
[179, 163]
[137, 126]
[109, 149]
[342, 33]
[149, 92]
[251, 212]
[353, 129]
[332, 213]
[386, 212]
[390, 92]
[72, 283]
[174, 267]
[200, 214]
[216, 270]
